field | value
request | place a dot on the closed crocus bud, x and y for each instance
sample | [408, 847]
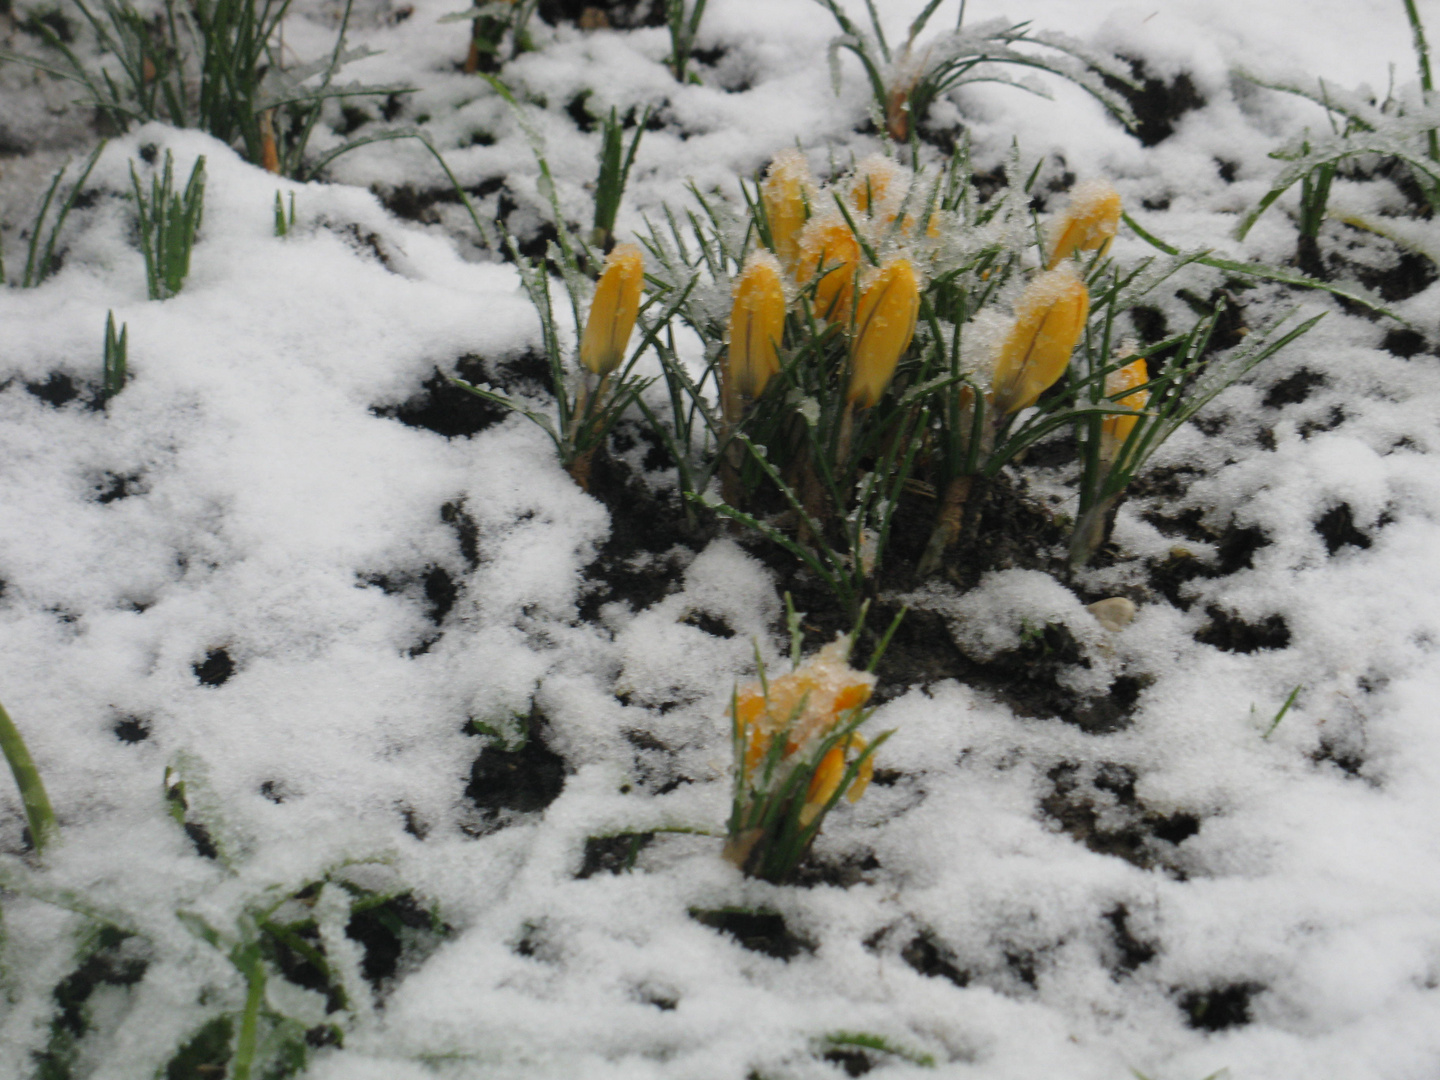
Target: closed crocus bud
[879, 183]
[1114, 430]
[613, 311]
[757, 324]
[884, 325]
[1048, 322]
[1089, 221]
[829, 250]
[784, 193]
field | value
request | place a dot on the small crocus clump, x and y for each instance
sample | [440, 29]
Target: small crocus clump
[613, 311]
[1089, 222]
[1049, 320]
[757, 324]
[796, 755]
[884, 326]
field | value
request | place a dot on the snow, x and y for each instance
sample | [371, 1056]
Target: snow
[251, 491]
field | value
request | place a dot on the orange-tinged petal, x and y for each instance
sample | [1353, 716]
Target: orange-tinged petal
[613, 311]
[809, 701]
[863, 776]
[827, 776]
[828, 250]
[757, 325]
[884, 326]
[852, 696]
[1114, 430]
[1049, 320]
[784, 194]
[1089, 222]
[878, 181]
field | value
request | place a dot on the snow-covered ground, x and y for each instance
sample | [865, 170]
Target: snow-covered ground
[248, 570]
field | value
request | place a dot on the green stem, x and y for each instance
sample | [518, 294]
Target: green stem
[1422, 54]
[250, 964]
[27, 778]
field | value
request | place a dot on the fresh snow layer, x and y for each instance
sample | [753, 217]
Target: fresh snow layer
[265, 495]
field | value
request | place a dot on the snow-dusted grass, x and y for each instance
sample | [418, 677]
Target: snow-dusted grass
[1270, 906]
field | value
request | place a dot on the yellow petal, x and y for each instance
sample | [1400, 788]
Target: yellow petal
[826, 777]
[1089, 222]
[878, 182]
[828, 250]
[613, 311]
[867, 770]
[784, 195]
[1049, 320]
[1114, 430]
[884, 325]
[757, 326]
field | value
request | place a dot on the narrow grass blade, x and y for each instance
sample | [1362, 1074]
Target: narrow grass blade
[38, 812]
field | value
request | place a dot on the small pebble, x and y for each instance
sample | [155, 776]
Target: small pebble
[1114, 614]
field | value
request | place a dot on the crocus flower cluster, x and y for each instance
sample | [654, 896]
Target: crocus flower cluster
[817, 255]
[796, 754]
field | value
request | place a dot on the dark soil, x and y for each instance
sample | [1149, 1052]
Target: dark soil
[648, 534]
[1097, 805]
[523, 780]
[432, 587]
[216, 668]
[1236, 548]
[1404, 342]
[600, 14]
[930, 958]
[1229, 632]
[612, 854]
[759, 931]
[131, 729]
[1157, 104]
[385, 930]
[1293, 389]
[1337, 528]
[851, 1062]
[446, 409]
[1411, 274]
[1221, 1008]
[1132, 953]
[114, 487]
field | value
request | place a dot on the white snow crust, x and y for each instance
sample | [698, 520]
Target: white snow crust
[271, 506]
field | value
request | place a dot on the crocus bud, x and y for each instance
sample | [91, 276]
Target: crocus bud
[878, 182]
[613, 311]
[884, 325]
[784, 195]
[1048, 322]
[1089, 221]
[829, 249]
[1114, 430]
[757, 325]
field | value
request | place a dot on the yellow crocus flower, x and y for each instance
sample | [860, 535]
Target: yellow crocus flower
[1049, 320]
[757, 326]
[784, 193]
[1114, 430]
[829, 249]
[1089, 222]
[613, 311]
[884, 325]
